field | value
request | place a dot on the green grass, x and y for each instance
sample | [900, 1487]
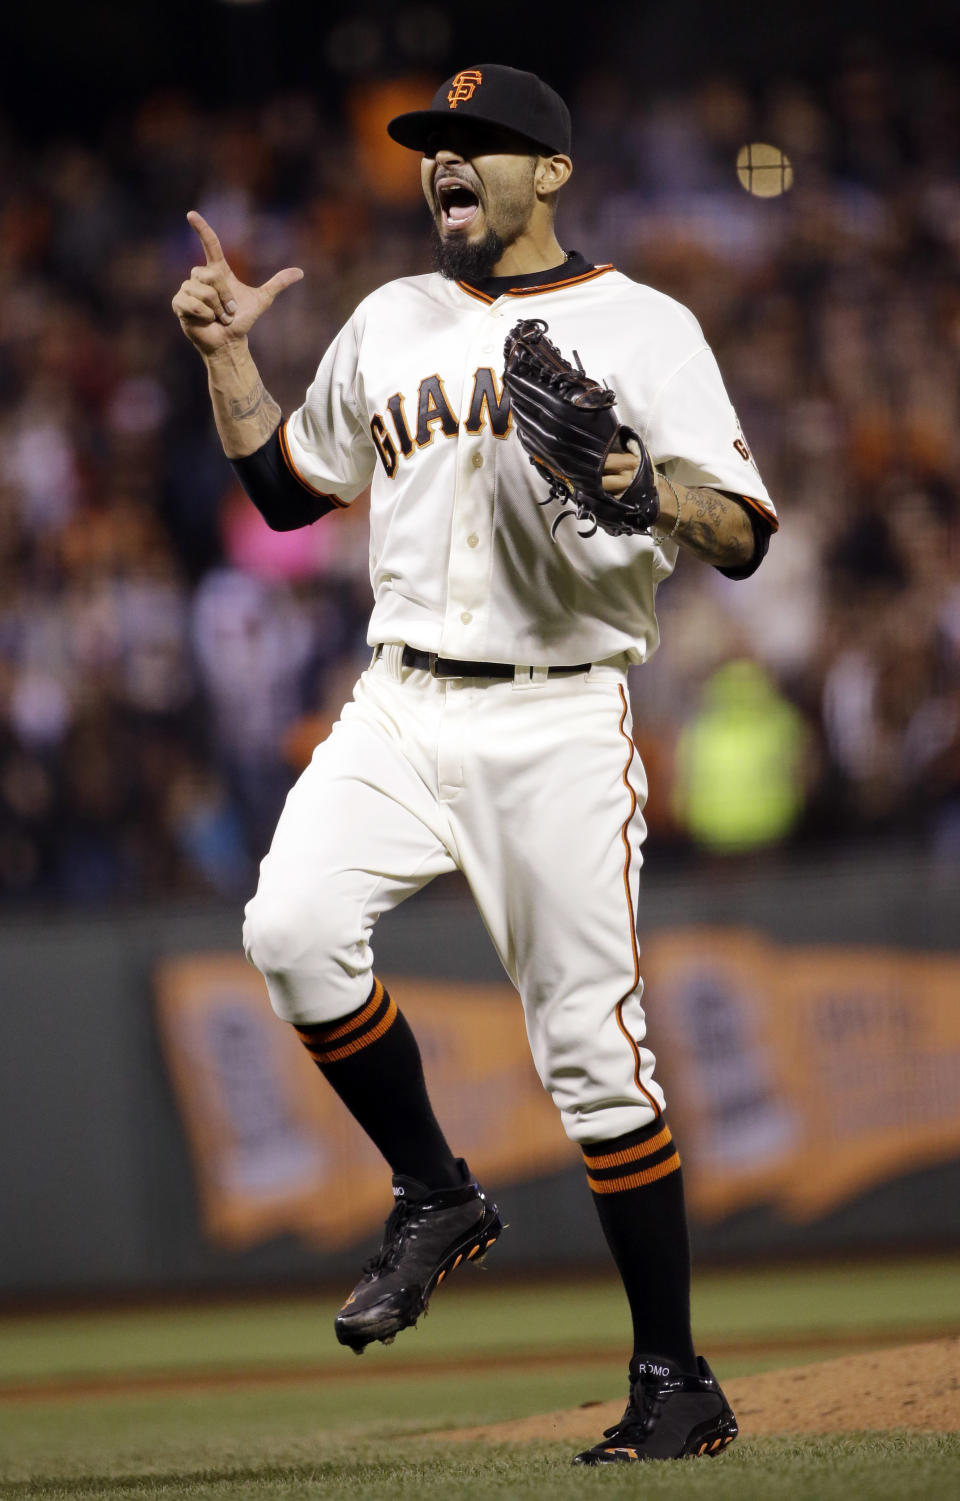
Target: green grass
[368, 1442]
[478, 1317]
[373, 1433]
[264, 1465]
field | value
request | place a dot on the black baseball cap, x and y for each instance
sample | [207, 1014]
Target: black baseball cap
[491, 94]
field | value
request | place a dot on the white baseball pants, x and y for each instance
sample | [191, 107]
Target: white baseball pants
[534, 790]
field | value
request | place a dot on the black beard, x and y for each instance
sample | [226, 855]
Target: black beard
[458, 260]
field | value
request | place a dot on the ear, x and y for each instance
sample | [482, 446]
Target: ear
[550, 174]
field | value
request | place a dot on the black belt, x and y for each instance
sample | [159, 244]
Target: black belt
[449, 667]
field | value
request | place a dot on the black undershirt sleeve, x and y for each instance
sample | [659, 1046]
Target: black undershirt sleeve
[762, 532]
[284, 503]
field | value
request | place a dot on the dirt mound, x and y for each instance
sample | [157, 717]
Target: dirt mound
[915, 1386]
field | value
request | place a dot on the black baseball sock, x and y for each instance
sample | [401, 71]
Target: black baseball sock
[372, 1060]
[637, 1187]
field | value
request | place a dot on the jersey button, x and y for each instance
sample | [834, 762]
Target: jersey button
[466, 618]
[472, 540]
[477, 461]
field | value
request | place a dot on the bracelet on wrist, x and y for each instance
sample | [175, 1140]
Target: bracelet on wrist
[658, 534]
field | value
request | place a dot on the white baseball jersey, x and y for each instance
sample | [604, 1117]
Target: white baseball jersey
[530, 785]
[409, 400]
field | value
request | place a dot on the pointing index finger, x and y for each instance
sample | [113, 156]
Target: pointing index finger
[212, 248]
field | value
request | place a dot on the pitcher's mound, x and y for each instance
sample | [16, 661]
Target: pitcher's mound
[915, 1386]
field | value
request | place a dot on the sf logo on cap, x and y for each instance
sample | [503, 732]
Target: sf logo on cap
[463, 86]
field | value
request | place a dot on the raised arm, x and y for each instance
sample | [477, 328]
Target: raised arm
[216, 312]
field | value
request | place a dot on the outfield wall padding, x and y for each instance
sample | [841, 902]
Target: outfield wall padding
[98, 1189]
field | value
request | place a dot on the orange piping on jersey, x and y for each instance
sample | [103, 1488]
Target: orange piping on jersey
[758, 505]
[635, 1180]
[633, 926]
[621, 1159]
[544, 286]
[285, 451]
[473, 292]
[553, 286]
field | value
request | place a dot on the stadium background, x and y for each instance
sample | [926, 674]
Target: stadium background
[166, 663]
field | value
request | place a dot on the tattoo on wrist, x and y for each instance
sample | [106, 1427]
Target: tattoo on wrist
[257, 406]
[247, 406]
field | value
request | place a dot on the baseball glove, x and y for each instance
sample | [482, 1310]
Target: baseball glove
[567, 425]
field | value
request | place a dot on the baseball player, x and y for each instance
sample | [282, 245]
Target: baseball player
[492, 731]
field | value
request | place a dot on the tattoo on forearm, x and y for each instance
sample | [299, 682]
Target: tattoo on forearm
[715, 527]
[257, 406]
[710, 506]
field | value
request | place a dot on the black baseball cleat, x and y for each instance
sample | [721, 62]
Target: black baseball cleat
[429, 1233]
[670, 1415]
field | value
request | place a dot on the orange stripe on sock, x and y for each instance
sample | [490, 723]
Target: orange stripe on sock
[334, 1055]
[635, 1180]
[631, 1154]
[353, 1022]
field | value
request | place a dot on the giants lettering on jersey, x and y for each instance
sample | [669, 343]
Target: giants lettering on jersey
[489, 406]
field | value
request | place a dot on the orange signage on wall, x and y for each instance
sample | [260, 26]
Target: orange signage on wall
[802, 1076]
[795, 1077]
[274, 1149]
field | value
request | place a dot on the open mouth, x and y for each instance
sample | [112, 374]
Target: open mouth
[459, 204]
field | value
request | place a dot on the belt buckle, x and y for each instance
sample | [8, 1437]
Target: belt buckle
[441, 676]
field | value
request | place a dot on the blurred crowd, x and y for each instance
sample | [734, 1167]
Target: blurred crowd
[167, 663]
